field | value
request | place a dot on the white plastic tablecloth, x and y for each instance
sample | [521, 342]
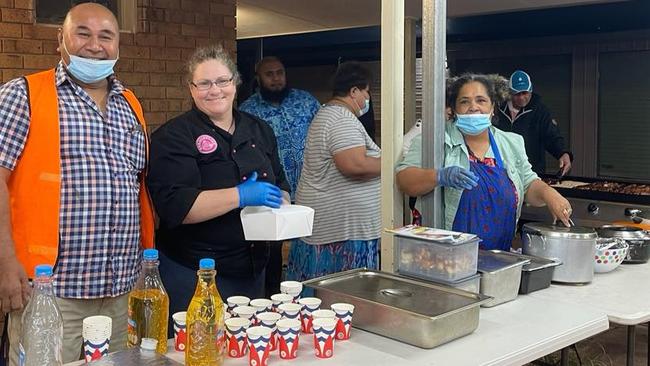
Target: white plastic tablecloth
[509, 334]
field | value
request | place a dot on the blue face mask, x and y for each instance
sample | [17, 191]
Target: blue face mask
[473, 124]
[365, 108]
[89, 71]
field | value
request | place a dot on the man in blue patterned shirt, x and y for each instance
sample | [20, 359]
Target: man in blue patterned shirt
[289, 112]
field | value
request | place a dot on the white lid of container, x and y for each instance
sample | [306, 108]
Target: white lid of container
[438, 236]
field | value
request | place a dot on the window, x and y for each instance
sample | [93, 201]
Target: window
[53, 12]
[624, 115]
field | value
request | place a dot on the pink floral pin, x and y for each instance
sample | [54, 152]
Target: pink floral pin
[206, 144]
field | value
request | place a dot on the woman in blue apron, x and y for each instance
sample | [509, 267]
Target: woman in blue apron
[486, 174]
[489, 210]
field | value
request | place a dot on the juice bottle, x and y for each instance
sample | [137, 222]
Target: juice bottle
[205, 342]
[148, 305]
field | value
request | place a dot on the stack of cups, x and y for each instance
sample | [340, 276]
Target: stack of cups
[258, 340]
[288, 331]
[236, 335]
[280, 298]
[309, 305]
[293, 288]
[180, 334]
[96, 332]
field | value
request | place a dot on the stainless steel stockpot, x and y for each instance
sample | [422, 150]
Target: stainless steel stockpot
[574, 246]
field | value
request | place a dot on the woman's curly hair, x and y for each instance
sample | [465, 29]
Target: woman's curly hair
[495, 84]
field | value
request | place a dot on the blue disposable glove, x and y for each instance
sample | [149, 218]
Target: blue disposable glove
[457, 177]
[254, 193]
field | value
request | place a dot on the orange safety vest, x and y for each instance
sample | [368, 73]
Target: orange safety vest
[35, 183]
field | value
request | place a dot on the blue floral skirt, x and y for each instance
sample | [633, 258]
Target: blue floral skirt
[308, 261]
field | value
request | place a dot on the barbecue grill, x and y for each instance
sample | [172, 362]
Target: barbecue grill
[597, 202]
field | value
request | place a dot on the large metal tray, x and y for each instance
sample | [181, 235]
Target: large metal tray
[422, 314]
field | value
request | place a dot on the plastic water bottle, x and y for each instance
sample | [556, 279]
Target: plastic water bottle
[205, 327]
[41, 341]
[148, 305]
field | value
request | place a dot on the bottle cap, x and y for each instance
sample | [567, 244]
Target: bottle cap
[43, 270]
[206, 263]
[150, 254]
[149, 344]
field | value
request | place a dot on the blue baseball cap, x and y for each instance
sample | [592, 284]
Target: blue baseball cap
[520, 82]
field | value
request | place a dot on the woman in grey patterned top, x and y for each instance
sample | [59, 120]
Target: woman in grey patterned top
[340, 181]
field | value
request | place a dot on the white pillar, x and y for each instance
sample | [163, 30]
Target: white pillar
[392, 120]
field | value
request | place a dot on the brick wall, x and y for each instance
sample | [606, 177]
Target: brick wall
[151, 59]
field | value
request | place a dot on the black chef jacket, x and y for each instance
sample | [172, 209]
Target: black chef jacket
[179, 171]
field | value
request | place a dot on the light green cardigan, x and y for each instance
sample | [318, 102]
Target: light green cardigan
[513, 153]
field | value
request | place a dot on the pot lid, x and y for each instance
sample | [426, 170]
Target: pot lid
[560, 231]
[623, 232]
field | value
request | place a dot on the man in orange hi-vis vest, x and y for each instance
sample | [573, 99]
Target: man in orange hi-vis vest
[73, 152]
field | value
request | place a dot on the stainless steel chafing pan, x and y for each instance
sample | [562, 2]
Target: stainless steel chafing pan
[418, 313]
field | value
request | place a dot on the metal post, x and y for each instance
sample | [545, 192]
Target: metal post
[631, 338]
[434, 23]
[564, 356]
[648, 342]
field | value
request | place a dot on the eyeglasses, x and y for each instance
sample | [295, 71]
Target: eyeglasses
[207, 84]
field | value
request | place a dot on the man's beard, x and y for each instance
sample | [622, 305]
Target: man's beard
[273, 96]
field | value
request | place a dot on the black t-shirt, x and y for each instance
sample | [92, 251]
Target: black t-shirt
[184, 161]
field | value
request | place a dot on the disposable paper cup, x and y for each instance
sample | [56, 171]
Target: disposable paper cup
[269, 319]
[288, 332]
[280, 298]
[247, 312]
[344, 313]
[236, 336]
[180, 330]
[324, 329]
[323, 313]
[262, 305]
[258, 342]
[293, 288]
[309, 305]
[96, 332]
[235, 301]
[290, 310]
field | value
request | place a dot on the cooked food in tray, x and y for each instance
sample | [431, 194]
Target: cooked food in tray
[604, 186]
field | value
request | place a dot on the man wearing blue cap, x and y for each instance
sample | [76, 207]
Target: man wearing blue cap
[525, 114]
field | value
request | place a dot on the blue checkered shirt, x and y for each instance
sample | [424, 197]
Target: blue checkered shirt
[101, 157]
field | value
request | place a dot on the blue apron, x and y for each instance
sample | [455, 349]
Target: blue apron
[489, 210]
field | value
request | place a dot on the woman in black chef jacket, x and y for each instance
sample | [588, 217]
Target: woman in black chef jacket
[205, 165]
